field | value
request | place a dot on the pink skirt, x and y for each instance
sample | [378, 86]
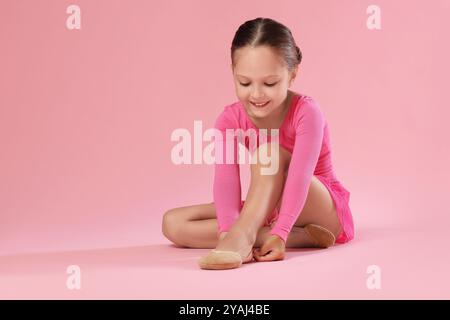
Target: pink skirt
[341, 199]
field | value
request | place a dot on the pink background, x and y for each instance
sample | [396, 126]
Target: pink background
[86, 118]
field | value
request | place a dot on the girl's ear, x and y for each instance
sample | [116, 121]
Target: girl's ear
[293, 75]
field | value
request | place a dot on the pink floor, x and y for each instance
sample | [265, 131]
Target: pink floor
[414, 264]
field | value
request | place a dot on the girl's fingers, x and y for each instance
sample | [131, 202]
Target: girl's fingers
[270, 256]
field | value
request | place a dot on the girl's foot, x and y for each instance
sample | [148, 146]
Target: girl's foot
[220, 260]
[231, 252]
[321, 237]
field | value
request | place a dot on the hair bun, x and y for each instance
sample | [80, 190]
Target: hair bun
[299, 54]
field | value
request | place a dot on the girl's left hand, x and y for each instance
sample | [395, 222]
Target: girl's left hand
[273, 249]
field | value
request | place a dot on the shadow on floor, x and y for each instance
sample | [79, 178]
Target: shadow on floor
[154, 256]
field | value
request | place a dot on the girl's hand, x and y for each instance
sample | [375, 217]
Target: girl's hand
[273, 249]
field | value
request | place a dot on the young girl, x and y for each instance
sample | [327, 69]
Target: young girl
[302, 204]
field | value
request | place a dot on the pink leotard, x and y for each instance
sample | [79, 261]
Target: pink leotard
[304, 133]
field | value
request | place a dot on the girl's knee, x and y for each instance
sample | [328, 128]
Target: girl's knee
[169, 224]
[268, 160]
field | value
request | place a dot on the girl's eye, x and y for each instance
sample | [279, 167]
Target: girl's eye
[267, 84]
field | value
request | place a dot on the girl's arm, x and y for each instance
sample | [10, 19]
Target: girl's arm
[309, 124]
[227, 183]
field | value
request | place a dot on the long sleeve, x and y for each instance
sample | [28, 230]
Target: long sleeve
[309, 126]
[227, 183]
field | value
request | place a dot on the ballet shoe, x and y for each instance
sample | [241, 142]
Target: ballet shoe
[322, 237]
[219, 260]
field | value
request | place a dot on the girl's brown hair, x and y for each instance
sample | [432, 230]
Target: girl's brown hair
[268, 32]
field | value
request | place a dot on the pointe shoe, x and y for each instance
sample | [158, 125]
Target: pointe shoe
[322, 237]
[219, 260]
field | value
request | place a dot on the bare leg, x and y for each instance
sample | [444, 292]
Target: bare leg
[262, 197]
[297, 238]
[192, 226]
[196, 226]
[202, 234]
[183, 227]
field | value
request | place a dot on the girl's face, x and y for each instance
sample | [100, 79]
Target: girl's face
[261, 77]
